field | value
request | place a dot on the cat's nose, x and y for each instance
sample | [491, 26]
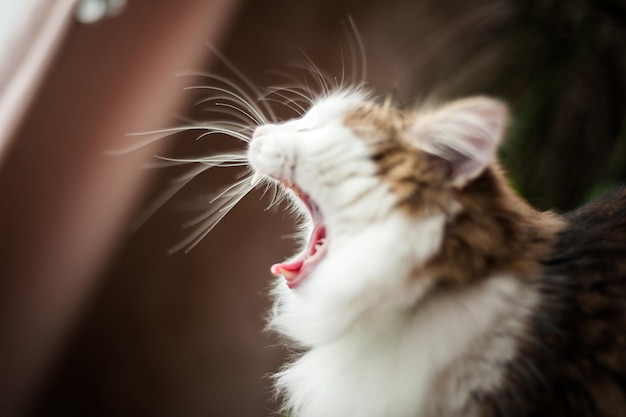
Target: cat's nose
[260, 131]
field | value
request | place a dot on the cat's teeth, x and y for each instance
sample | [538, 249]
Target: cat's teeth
[256, 178]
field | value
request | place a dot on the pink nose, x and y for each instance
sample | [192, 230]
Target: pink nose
[263, 130]
[260, 131]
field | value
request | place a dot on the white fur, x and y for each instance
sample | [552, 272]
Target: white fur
[358, 274]
[386, 366]
[377, 336]
[359, 279]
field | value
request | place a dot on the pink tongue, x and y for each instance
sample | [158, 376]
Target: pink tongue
[292, 270]
[291, 267]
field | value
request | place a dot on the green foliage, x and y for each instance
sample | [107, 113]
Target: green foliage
[569, 126]
[561, 64]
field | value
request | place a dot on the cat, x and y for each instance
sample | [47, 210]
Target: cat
[425, 285]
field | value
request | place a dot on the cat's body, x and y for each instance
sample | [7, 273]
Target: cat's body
[578, 350]
[428, 287]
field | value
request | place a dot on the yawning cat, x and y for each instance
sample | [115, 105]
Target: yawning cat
[425, 286]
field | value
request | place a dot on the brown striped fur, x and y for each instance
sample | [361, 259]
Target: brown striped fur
[489, 228]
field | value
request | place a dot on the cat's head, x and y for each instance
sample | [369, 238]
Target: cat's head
[395, 200]
[353, 164]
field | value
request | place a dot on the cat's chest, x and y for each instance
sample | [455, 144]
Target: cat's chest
[399, 365]
[360, 375]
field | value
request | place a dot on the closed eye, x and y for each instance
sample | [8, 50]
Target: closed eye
[304, 129]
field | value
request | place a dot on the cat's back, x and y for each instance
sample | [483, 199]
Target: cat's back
[578, 348]
[597, 228]
[591, 248]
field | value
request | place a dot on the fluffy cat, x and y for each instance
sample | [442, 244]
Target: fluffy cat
[425, 286]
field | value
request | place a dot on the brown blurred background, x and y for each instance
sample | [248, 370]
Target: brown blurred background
[99, 320]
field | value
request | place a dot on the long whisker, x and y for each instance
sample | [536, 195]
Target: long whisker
[241, 112]
[297, 84]
[288, 102]
[275, 191]
[319, 75]
[245, 80]
[278, 196]
[221, 160]
[155, 135]
[208, 221]
[343, 70]
[206, 163]
[243, 121]
[166, 196]
[236, 112]
[232, 133]
[361, 52]
[255, 115]
[226, 191]
[236, 89]
[295, 90]
[282, 196]
[290, 105]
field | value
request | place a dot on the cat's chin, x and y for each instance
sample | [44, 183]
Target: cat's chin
[296, 270]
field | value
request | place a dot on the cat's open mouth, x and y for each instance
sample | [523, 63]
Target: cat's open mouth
[296, 270]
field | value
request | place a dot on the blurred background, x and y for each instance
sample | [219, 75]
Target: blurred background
[97, 318]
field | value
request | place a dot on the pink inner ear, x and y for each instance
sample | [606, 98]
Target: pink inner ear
[466, 133]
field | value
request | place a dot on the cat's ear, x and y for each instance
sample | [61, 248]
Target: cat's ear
[464, 135]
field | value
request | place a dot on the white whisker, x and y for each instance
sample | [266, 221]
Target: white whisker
[188, 120]
[248, 102]
[220, 160]
[268, 185]
[343, 70]
[232, 133]
[229, 189]
[168, 164]
[209, 220]
[256, 115]
[257, 177]
[295, 90]
[241, 127]
[205, 162]
[302, 85]
[156, 136]
[278, 195]
[245, 80]
[282, 196]
[237, 110]
[166, 196]
[244, 121]
[299, 89]
[290, 104]
[361, 53]
[321, 77]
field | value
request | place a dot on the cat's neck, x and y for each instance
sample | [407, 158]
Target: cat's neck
[497, 232]
[451, 336]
